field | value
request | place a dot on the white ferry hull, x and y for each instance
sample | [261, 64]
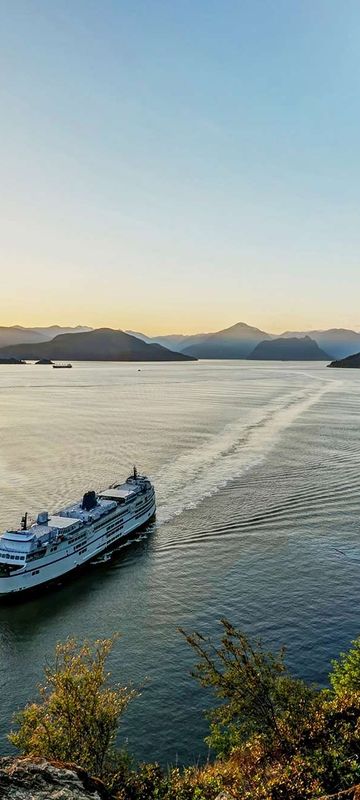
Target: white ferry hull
[34, 576]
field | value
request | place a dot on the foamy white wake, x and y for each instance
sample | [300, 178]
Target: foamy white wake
[191, 477]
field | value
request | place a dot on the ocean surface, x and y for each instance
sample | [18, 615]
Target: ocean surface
[257, 473]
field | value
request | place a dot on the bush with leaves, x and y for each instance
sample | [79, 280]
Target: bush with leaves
[256, 692]
[276, 737]
[345, 675]
[78, 714]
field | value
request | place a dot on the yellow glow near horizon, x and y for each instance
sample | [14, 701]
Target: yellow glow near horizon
[182, 190]
[158, 324]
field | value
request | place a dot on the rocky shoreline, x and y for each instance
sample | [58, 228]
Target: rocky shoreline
[29, 778]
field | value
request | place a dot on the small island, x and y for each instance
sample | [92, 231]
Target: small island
[350, 362]
[44, 361]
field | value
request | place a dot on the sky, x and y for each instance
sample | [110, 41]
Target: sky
[180, 166]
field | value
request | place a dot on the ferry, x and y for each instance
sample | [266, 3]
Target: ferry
[57, 544]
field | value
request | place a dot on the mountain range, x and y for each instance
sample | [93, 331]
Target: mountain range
[103, 344]
[239, 341]
[339, 342]
[17, 334]
[174, 341]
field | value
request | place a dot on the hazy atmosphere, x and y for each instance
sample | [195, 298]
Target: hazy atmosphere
[180, 166]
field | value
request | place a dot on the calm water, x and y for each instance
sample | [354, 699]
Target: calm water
[257, 471]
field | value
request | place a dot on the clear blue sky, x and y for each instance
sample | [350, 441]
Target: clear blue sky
[180, 165]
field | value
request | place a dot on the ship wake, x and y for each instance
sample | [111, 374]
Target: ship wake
[183, 483]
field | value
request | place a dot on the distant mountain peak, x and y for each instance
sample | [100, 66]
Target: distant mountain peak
[234, 342]
[241, 327]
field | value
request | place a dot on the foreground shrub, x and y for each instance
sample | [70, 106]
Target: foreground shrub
[78, 714]
[275, 738]
[345, 675]
[151, 782]
[256, 692]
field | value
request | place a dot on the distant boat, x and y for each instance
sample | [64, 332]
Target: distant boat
[62, 366]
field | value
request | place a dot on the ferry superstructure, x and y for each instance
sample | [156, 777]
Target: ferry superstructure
[59, 543]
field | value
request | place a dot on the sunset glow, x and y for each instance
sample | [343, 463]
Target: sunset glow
[164, 176]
